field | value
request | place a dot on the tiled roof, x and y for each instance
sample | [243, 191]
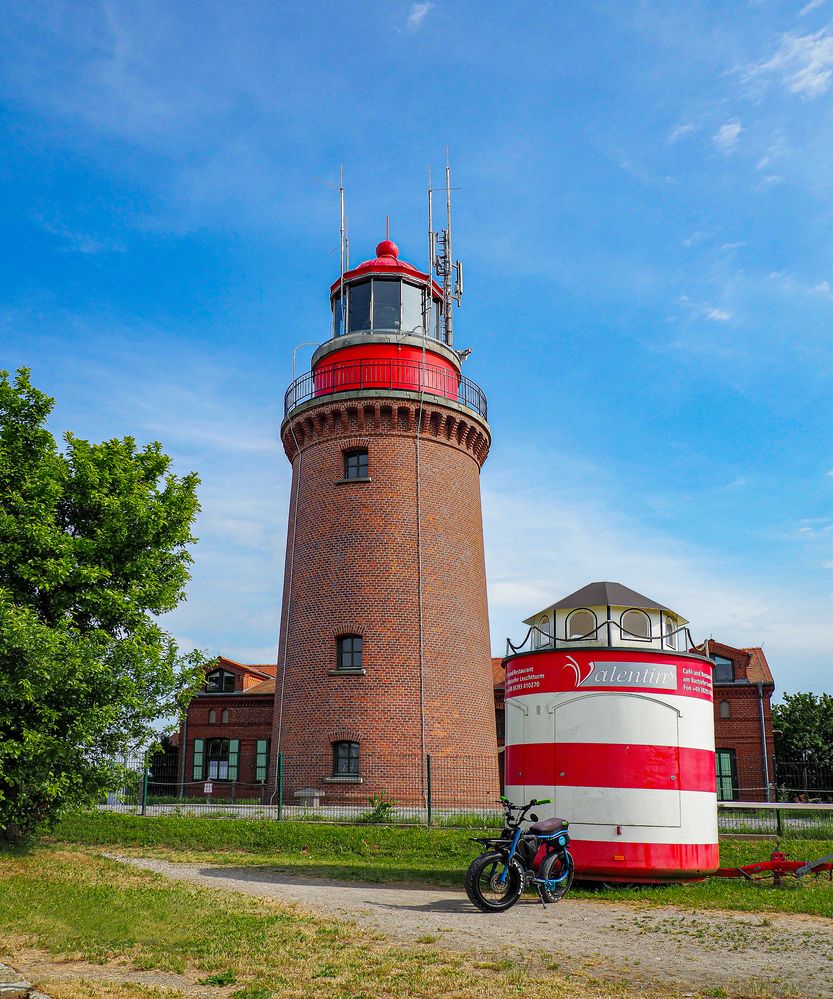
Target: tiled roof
[264, 687]
[758, 669]
[498, 672]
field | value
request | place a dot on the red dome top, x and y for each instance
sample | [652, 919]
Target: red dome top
[386, 261]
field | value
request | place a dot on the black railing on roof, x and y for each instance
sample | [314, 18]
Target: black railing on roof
[537, 639]
[385, 373]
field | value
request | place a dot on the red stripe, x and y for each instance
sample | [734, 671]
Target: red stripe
[644, 861]
[595, 764]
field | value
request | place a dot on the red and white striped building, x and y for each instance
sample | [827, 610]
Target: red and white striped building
[608, 715]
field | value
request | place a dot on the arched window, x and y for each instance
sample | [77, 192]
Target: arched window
[212, 716]
[543, 636]
[725, 709]
[670, 637]
[636, 626]
[349, 653]
[345, 759]
[581, 624]
[224, 716]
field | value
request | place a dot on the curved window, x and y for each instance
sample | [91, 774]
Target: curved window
[636, 626]
[725, 709]
[543, 635]
[219, 682]
[224, 716]
[581, 624]
[670, 637]
[212, 716]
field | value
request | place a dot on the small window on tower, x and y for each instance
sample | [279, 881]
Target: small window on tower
[345, 759]
[349, 652]
[355, 464]
[581, 626]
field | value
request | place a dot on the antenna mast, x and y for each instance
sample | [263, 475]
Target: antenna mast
[441, 259]
[343, 246]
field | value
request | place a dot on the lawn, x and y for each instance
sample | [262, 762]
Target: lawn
[416, 854]
[73, 905]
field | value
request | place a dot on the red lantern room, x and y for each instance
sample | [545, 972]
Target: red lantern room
[389, 333]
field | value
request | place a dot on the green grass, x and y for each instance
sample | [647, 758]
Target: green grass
[416, 854]
[74, 905]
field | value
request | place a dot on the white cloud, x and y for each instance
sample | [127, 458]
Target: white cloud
[812, 5]
[726, 137]
[681, 130]
[804, 63]
[417, 14]
[718, 315]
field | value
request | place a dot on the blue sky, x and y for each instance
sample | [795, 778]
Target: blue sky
[645, 212]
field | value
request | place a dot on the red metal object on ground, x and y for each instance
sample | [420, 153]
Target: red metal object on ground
[777, 867]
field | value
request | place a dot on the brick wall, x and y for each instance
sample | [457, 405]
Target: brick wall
[742, 733]
[356, 571]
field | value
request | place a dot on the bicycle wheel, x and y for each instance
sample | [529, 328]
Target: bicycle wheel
[484, 887]
[556, 865]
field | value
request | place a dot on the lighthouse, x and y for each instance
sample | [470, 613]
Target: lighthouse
[384, 658]
[610, 715]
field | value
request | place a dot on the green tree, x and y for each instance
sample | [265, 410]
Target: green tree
[803, 727]
[93, 546]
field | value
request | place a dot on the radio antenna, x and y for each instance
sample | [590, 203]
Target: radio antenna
[441, 259]
[342, 327]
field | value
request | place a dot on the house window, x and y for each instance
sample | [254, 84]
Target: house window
[581, 624]
[725, 709]
[670, 636]
[543, 635]
[261, 760]
[345, 759]
[349, 652]
[355, 464]
[219, 682]
[726, 769]
[215, 759]
[221, 756]
[224, 716]
[636, 626]
[724, 670]
[212, 716]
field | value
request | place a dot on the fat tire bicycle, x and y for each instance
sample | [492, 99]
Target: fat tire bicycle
[497, 878]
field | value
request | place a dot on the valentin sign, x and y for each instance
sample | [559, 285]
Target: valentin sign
[629, 674]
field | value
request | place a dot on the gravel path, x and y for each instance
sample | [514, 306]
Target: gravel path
[740, 954]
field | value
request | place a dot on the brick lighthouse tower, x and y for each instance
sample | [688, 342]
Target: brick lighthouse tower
[384, 657]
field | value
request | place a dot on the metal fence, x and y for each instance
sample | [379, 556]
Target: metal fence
[788, 819]
[452, 791]
[804, 782]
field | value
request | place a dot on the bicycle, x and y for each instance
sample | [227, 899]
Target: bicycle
[496, 879]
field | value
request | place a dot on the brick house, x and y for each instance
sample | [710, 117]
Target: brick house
[744, 747]
[225, 737]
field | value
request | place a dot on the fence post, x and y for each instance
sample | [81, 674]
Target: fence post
[280, 786]
[778, 821]
[145, 787]
[428, 787]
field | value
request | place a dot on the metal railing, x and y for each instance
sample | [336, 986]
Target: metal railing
[538, 639]
[385, 373]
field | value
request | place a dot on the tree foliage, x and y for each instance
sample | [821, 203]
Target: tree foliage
[803, 727]
[93, 546]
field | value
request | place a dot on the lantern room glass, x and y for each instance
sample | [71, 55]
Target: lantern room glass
[387, 305]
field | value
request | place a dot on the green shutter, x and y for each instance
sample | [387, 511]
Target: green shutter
[233, 756]
[261, 760]
[198, 754]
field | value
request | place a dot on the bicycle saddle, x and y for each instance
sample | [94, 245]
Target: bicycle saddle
[547, 827]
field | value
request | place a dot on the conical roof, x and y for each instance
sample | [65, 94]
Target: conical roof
[604, 594]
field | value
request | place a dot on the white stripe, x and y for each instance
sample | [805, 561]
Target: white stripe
[611, 718]
[594, 813]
